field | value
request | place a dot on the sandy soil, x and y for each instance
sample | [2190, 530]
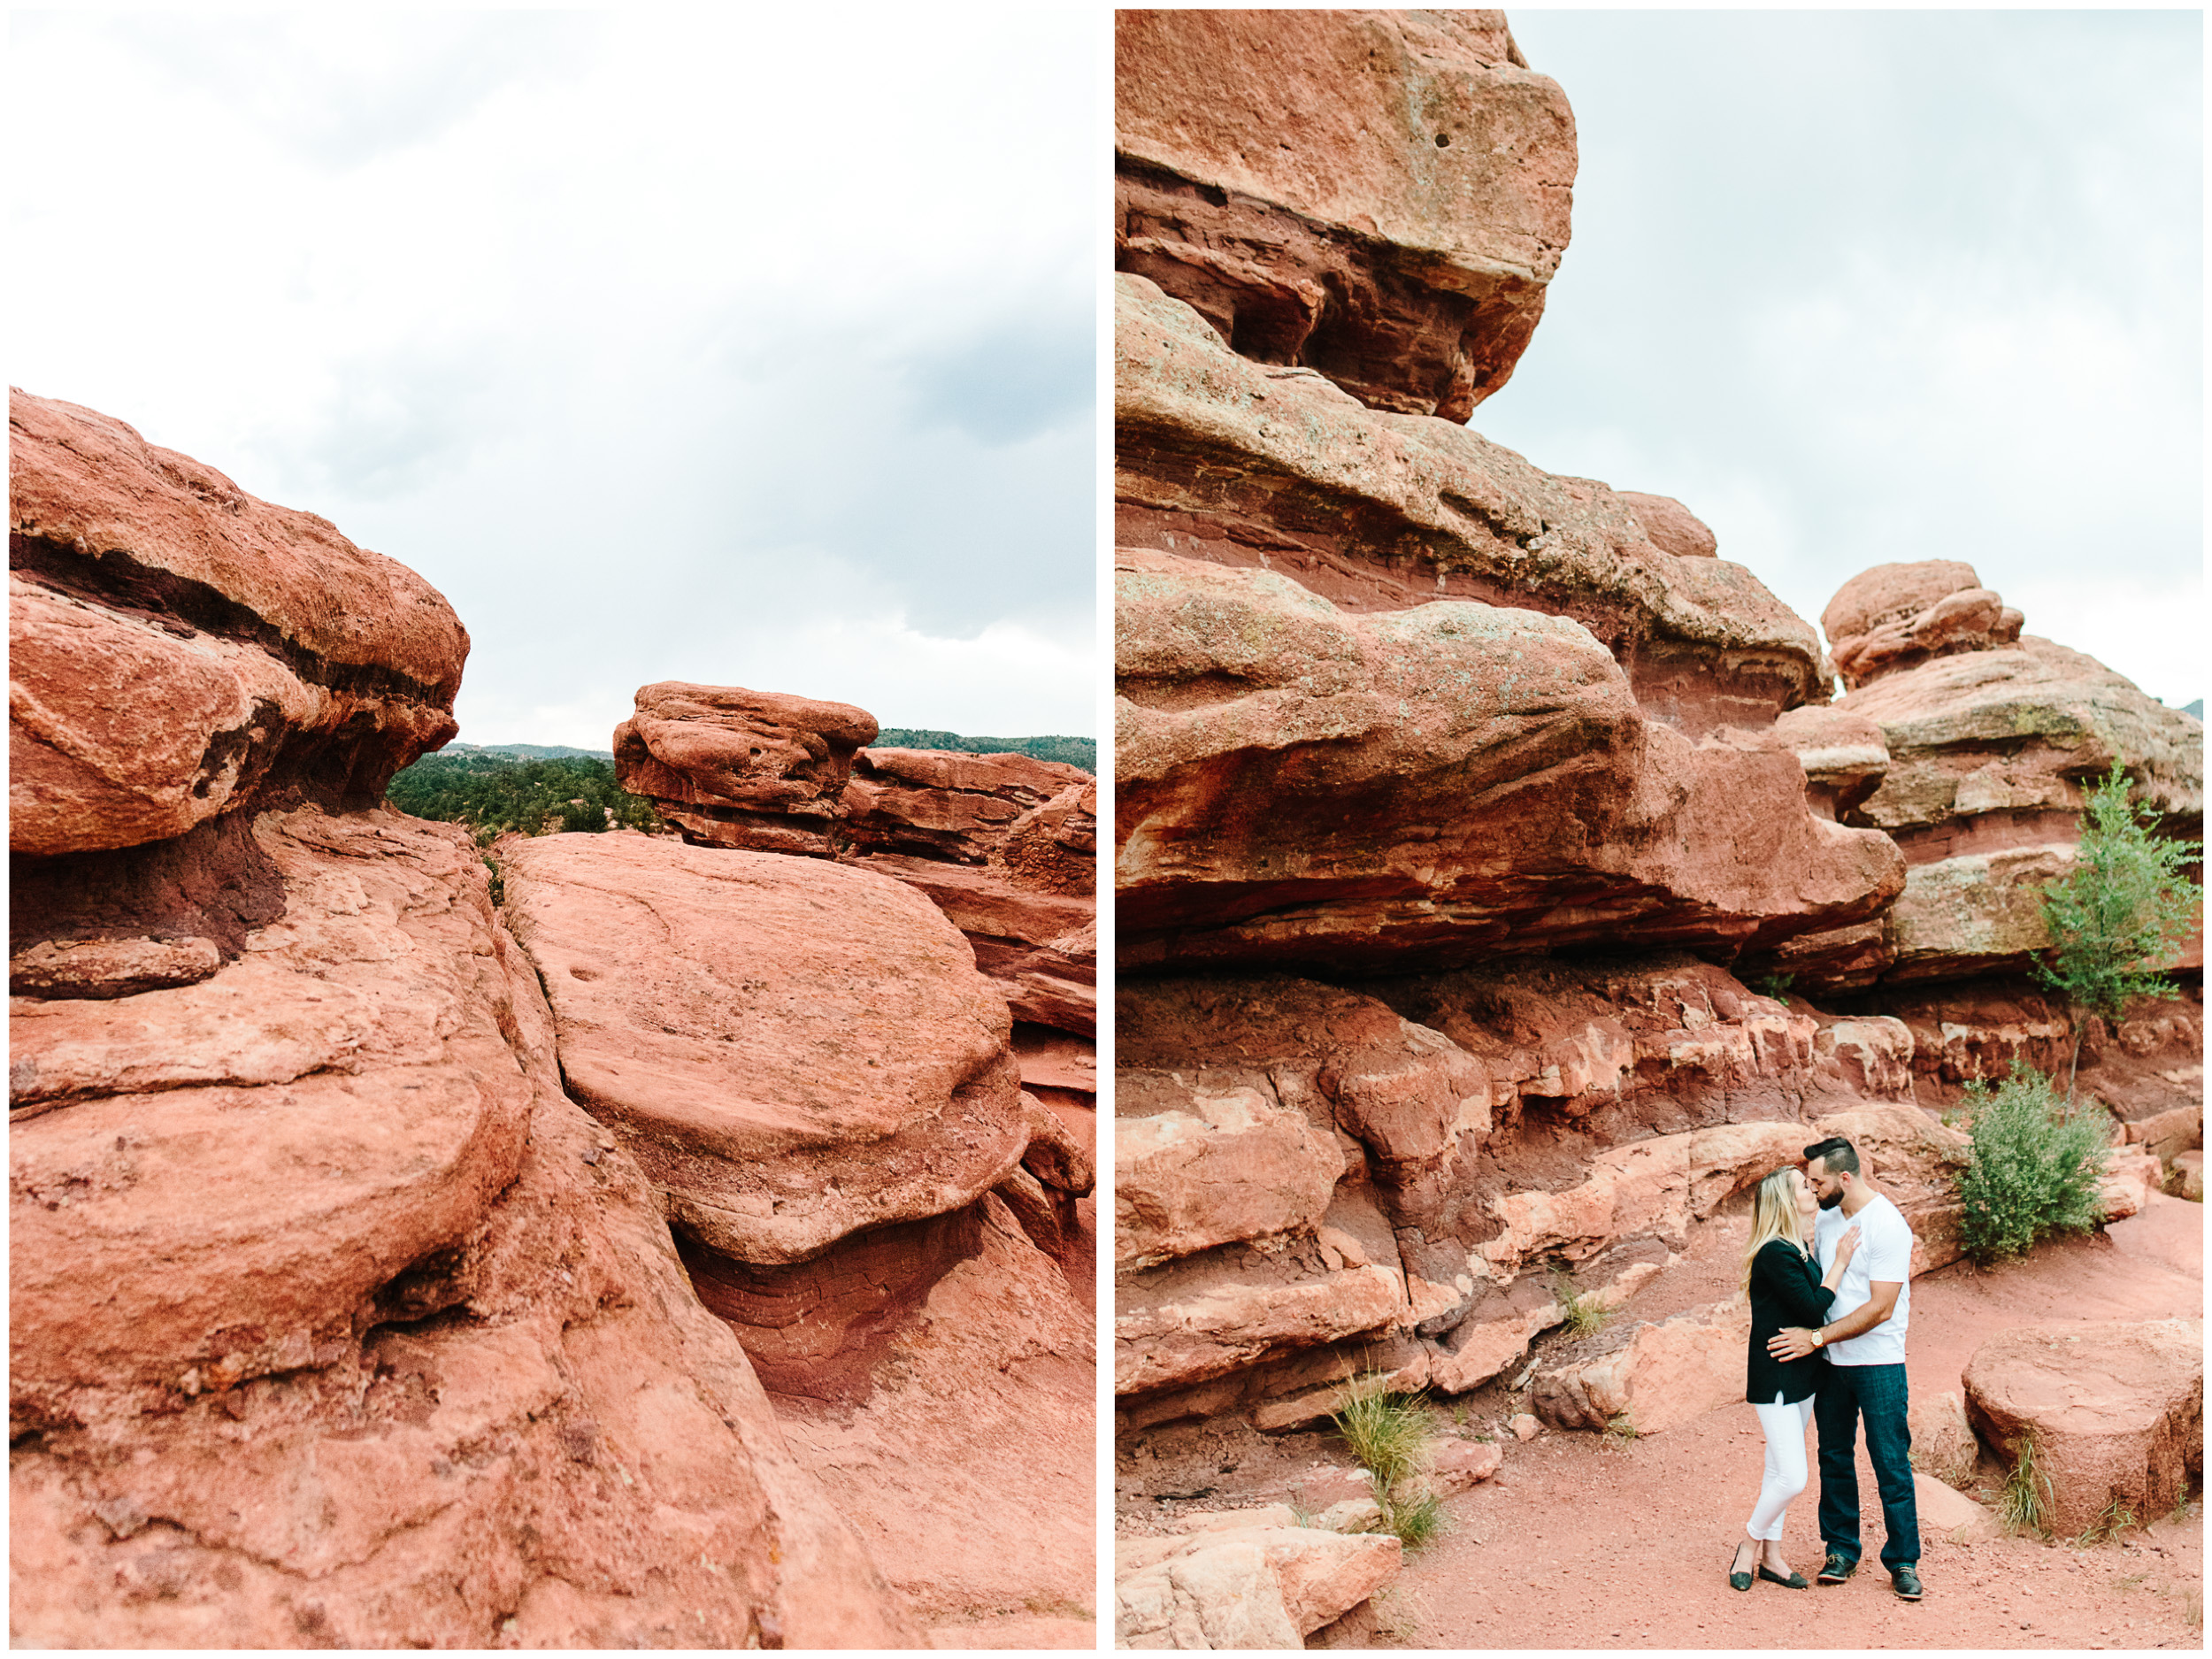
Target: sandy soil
[1580, 1542]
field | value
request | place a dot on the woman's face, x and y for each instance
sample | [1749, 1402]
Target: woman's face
[1808, 1201]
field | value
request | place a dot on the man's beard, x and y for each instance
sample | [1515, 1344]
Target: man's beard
[1829, 1201]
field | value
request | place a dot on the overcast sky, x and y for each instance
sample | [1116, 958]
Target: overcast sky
[1859, 287]
[745, 345]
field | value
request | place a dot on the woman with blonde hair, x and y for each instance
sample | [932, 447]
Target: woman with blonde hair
[1784, 1281]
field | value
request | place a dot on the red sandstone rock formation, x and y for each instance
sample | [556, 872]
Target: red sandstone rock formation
[935, 803]
[2117, 1411]
[729, 767]
[335, 1320]
[1381, 196]
[1220, 457]
[1895, 616]
[1301, 783]
[179, 649]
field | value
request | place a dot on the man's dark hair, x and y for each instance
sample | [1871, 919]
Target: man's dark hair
[1837, 1155]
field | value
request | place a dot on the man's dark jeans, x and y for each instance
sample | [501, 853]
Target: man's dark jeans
[1878, 1393]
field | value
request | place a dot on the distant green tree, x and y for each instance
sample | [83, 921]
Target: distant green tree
[2120, 911]
[493, 793]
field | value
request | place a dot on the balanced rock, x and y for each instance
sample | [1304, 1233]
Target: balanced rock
[179, 649]
[1222, 458]
[794, 1050]
[1380, 196]
[757, 769]
[1895, 616]
[2116, 1411]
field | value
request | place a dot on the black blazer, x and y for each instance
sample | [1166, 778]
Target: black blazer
[1785, 1289]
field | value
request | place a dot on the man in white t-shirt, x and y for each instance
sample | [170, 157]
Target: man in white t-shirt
[1864, 1343]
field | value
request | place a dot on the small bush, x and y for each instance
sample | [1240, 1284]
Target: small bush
[2024, 1505]
[1586, 1315]
[2034, 1169]
[1621, 1428]
[1387, 1432]
[1415, 1520]
[2115, 1519]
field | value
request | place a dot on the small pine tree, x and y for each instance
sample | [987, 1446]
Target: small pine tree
[2037, 1166]
[2124, 907]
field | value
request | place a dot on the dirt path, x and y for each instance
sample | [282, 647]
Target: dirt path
[1579, 1543]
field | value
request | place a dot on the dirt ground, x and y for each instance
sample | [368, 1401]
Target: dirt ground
[1584, 1542]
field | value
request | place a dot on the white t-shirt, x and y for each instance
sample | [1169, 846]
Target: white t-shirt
[1884, 1252]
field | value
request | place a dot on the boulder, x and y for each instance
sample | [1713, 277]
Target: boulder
[1223, 1586]
[179, 649]
[1298, 782]
[355, 1323]
[1894, 617]
[1672, 527]
[1231, 1166]
[937, 804]
[1652, 1377]
[2187, 1178]
[1456, 1466]
[794, 1050]
[1943, 1442]
[761, 771]
[1950, 1515]
[1220, 458]
[1221, 1315]
[2115, 1410]
[1380, 196]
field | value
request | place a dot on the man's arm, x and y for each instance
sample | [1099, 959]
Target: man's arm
[1795, 1341]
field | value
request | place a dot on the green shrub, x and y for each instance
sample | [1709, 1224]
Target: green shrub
[2024, 1505]
[2123, 907]
[2034, 1169]
[1415, 1520]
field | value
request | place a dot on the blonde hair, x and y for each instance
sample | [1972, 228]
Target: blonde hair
[1774, 1215]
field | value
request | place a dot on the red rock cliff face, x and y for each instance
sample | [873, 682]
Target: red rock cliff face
[1448, 790]
[334, 1321]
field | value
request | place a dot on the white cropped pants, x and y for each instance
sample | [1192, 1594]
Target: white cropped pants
[1784, 1478]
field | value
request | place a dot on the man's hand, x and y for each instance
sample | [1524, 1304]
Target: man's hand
[1795, 1342]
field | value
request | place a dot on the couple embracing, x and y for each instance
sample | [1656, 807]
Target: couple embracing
[1827, 1269]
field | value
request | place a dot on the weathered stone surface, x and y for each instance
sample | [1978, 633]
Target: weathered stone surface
[1672, 527]
[1895, 616]
[1950, 1515]
[2116, 1410]
[1171, 1331]
[1843, 753]
[1231, 1166]
[1379, 195]
[938, 803]
[178, 649]
[1212, 1589]
[1054, 846]
[758, 770]
[1037, 946]
[1658, 1377]
[1220, 458]
[793, 1049]
[2187, 1179]
[380, 1344]
[1299, 782]
[1456, 1466]
[1943, 1442]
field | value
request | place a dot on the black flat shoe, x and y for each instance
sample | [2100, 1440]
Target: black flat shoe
[1835, 1570]
[1738, 1580]
[1796, 1581]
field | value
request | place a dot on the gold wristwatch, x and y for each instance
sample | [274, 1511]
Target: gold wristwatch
[1819, 1341]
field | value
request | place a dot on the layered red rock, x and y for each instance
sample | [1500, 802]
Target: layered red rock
[793, 1049]
[761, 771]
[178, 648]
[1256, 1580]
[1381, 196]
[1894, 616]
[1299, 782]
[937, 804]
[1991, 751]
[1312, 1181]
[2115, 1410]
[335, 1321]
[1220, 457]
